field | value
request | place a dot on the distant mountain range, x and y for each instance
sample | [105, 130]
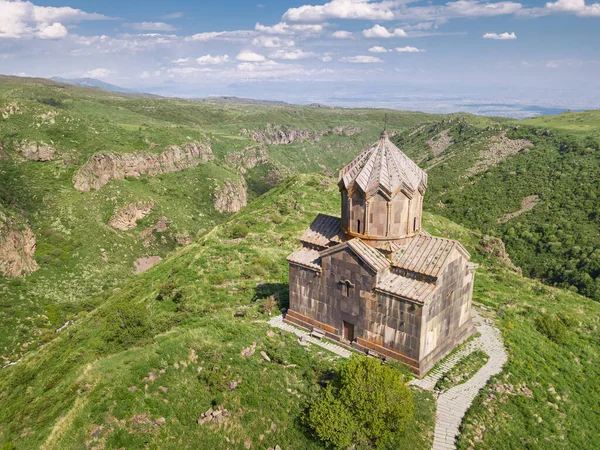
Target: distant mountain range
[94, 83]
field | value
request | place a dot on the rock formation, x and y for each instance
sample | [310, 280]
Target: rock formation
[247, 159]
[10, 110]
[17, 247]
[275, 135]
[499, 149]
[440, 143]
[36, 152]
[495, 247]
[143, 264]
[126, 218]
[231, 197]
[527, 204]
[103, 167]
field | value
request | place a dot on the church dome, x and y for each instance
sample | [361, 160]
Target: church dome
[383, 167]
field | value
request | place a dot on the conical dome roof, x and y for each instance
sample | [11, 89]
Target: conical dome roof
[383, 167]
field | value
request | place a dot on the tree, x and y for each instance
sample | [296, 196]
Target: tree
[367, 404]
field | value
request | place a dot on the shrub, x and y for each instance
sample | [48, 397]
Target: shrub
[552, 327]
[239, 230]
[169, 291]
[126, 324]
[368, 404]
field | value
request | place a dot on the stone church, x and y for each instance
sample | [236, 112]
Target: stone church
[374, 279]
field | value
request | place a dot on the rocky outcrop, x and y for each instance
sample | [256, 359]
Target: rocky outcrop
[500, 148]
[36, 152]
[439, 143]
[495, 247]
[527, 204]
[231, 197]
[247, 159]
[10, 110]
[148, 237]
[48, 118]
[17, 247]
[104, 167]
[140, 265]
[275, 135]
[126, 218]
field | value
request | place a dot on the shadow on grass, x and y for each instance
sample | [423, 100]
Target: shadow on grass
[279, 291]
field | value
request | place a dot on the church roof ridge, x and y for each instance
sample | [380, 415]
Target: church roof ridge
[383, 166]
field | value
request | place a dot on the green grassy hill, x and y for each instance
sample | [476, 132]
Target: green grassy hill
[138, 371]
[534, 183]
[80, 255]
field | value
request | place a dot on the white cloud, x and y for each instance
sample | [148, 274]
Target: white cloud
[292, 54]
[98, 73]
[23, 19]
[342, 35]
[174, 15]
[55, 31]
[150, 26]
[209, 59]
[574, 6]
[285, 28]
[340, 9]
[180, 60]
[272, 42]
[378, 49]
[362, 59]
[381, 32]
[501, 36]
[250, 57]
[409, 49]
[206, 36]
[326, 57]
[234, 36]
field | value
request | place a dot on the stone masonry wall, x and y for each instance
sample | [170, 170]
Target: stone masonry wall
[447, 320]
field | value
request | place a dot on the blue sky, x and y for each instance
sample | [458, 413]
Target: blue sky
[428, 55]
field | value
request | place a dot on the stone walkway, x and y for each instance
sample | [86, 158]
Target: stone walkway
[453, 403]
[326, 344]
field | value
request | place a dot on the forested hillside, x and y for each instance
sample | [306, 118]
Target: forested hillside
[536, 187]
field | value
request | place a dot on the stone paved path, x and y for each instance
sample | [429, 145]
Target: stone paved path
[337, 349]
[453, 403]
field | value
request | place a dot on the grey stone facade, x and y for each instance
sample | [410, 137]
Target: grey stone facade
[374, 279]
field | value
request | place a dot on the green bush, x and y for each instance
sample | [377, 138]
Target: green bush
[368, 404]
[126, 324]
[239, 230]
[552, 327]
[169, 291]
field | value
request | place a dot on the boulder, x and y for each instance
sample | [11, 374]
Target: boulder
[126, 218]
[104, 167]
[231, 197]
[17, 247]
[36, 152]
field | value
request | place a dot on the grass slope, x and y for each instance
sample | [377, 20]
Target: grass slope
[78, 389]
[80, 255]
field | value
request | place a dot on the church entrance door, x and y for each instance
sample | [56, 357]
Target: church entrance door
[348, 331]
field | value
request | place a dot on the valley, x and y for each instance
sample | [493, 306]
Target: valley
[146, 253]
